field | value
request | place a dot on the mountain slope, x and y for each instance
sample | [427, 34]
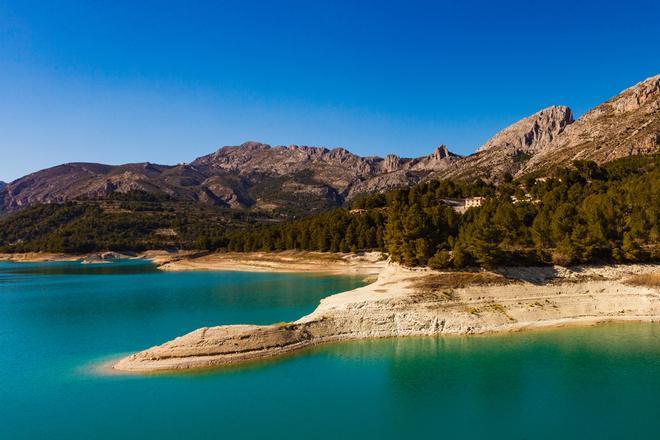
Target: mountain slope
[627, 124]
[507, 151]
[533, 133]
[291, 180]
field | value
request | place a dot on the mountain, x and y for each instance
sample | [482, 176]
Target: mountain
[627, 124]
[507, 151]
[292, 179]
[2, 185]
[533, 133]
[295, 180]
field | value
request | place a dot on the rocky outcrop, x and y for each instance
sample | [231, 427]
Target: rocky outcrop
[422, 303]
[507, 151]
[533, 133]
[391, 163]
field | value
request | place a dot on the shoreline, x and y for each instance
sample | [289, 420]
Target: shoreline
[400, 302]
[106, 366]
[367, 264]
[422, 302]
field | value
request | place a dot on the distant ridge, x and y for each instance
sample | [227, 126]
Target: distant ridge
[296, 180]
[251, 175]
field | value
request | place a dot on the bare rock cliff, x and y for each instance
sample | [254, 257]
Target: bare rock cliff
[533, 133]
[627, 124]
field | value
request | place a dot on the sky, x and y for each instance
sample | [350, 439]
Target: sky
[166, 82]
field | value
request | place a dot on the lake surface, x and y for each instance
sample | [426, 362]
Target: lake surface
[59, 320]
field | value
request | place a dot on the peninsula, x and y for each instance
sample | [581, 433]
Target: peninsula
[416, 302]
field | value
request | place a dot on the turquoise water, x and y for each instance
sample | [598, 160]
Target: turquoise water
[58, 320]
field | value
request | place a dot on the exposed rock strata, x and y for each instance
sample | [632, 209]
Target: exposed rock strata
[533, 133]
[252, 175]
[406, 303]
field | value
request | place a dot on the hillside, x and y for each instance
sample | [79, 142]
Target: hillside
[625, 125]
[587, 214]
[291, 180]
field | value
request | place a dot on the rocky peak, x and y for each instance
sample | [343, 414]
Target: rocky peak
[254, 146]
[439, 160]
[534, 132]
[638, 95]
[441, 152]
[392, 162]
[340, 154]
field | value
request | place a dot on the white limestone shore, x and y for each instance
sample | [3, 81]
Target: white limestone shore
[415, 302]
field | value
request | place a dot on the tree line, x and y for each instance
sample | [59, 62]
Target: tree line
[585, 213]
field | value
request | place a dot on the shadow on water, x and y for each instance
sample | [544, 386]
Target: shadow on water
[121, 267]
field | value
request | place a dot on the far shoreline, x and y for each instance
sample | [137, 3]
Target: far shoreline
[367, 264]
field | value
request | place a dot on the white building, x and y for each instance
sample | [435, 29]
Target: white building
[471, 202]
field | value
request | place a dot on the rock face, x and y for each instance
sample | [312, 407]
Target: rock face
[627, 124]
[534, 133]
[2, 185]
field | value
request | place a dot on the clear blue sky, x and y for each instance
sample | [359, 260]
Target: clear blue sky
[166, 82]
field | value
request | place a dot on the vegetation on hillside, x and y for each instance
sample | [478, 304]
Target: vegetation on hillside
[133, 221]
[584, 214]
[587, 213]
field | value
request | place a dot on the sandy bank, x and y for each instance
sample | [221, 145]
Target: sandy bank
[35, 257]
[88, 258]
[404, 302]
[369, 263]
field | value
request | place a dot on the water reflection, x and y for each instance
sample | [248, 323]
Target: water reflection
[120, 267]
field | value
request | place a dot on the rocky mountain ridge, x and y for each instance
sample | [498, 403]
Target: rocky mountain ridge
[251, 175]
[626, 124]
[301, 179]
